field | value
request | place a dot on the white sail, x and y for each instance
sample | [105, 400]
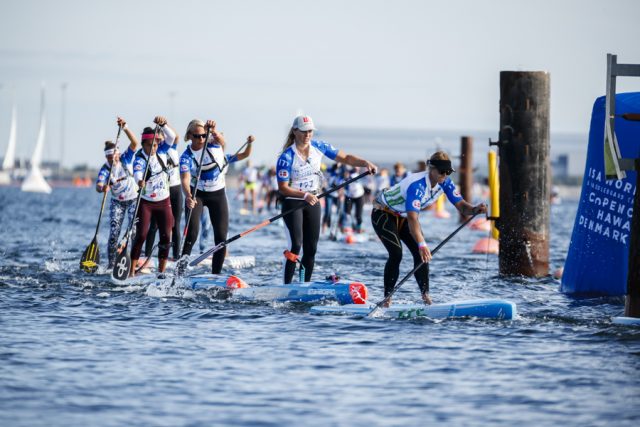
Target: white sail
[35, 182]
[10, 154]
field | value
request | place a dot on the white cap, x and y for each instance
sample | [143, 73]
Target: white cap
[303, 123]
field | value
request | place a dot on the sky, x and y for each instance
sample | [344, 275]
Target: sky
[253, 65]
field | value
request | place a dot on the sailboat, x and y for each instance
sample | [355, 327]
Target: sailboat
[10, 155]
[35, 182]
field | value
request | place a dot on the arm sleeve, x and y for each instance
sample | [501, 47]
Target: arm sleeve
[283, 168]
[102, 175]
[327, 149]
[415, 192]
[185, 163]
[127, 157]
[138, 168]
[231, 158]
[169, 136]
[451, 191]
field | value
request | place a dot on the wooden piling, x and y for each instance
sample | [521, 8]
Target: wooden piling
[465, 171]
[524, 173]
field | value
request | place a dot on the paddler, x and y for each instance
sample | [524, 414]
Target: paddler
[299, 182]
[211, 185]
[124, 190]
[155, 200]
[395, 218]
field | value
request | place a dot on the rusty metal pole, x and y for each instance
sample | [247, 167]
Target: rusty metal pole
[524, 173]
[465, 172]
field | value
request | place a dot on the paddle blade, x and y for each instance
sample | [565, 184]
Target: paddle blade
[90, 257]
[122, 266]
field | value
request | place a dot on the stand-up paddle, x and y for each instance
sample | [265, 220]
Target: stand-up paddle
[221, 245]
[182, 263]
[123, 258]
[405, 278]
[91, 256]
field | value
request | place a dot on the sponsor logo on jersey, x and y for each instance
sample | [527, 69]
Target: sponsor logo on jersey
[457, 193]
[138, 167]
[283, 174]
[416, 204]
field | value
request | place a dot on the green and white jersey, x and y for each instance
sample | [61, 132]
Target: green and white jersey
[414, 193]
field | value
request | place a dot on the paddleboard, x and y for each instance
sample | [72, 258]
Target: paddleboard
[482, 308]
[628, 321]
[344, 292]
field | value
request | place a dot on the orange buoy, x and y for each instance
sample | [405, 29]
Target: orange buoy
[234, 282]
[486, 245]
[350, 239]
[481, 224]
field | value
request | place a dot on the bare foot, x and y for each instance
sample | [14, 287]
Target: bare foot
[426, 299]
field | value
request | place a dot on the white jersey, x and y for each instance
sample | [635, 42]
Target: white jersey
[211, 179]
[355, 189]
[304, 175]
[123, 186]
[173, 164]
[157, 179]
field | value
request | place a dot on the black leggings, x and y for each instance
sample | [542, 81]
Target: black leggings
[161, 212]
[176, 232]
[304, 232]
[392, 230]
[358, 202]
[216, 202]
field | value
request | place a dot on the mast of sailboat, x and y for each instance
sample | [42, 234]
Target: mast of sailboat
[8, 163]
[35, 182]
[63, 87]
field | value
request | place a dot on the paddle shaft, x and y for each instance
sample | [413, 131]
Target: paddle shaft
[270, 220]
[405, 278]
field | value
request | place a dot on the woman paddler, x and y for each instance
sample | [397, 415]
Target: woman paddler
[395, 218]
[124, 191]
[177, 203]
[155, 202]
[211, 185]
[299, 183]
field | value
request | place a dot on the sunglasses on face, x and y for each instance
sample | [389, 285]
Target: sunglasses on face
[447, 172]
[199, 135]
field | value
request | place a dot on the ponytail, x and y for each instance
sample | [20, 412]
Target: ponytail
[290, 140]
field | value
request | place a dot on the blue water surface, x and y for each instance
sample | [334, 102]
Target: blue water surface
[76, 350]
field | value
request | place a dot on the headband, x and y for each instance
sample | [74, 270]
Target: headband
[109, 151]
[148, 136]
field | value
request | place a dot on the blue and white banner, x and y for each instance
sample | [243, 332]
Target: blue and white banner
[598, 256]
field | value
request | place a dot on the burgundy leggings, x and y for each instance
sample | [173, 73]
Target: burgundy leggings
[161, 212]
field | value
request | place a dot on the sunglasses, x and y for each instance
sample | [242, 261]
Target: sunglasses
[447, 172]
[199, 135]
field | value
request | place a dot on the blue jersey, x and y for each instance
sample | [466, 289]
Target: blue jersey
[304, 175]
[414, 193]
[211, 179]
[123, 186]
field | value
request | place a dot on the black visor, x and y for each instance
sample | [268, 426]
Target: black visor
[443, 166]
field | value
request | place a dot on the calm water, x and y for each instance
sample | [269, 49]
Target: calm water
[77, 351]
